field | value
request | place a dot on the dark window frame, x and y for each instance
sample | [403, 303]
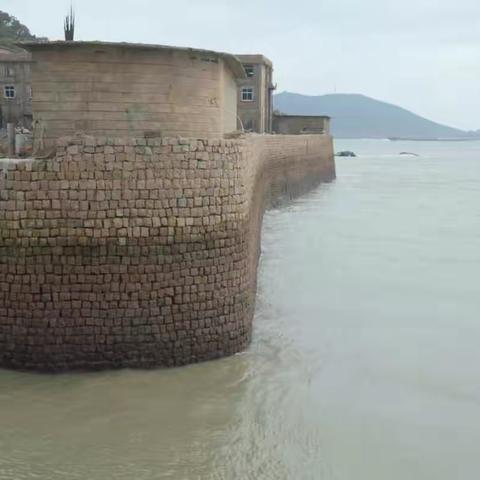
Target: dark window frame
[247, 94]
[249, 70]
[9, 92]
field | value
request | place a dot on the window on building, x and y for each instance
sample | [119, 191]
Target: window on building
[9, 91]
[246, 94]
[249, 70]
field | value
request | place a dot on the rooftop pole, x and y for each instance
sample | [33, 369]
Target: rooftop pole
[69, 25]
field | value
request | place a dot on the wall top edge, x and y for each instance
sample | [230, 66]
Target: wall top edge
[90, 140]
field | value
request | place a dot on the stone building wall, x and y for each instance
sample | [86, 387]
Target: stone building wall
[140, 252]
[256, 115]
[131, 90]
[15, 72]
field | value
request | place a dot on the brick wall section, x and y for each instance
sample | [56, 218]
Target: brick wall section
[140, 253]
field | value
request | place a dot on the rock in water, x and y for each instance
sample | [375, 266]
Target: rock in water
[410, 153]
[345, 153]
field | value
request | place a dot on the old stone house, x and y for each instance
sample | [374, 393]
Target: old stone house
[255, 94]
[15, 87]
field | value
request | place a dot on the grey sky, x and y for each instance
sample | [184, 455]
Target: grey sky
[423, 55]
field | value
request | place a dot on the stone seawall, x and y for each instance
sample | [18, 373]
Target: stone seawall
[140, 252]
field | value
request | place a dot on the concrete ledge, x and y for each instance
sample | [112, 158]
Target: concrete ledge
[140, 252]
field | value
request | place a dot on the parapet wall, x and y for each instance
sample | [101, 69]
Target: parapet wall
[140, 253]
[301, 124]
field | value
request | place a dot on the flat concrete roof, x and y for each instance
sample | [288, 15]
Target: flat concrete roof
[301, 116]
[255, 58]
[231, 60]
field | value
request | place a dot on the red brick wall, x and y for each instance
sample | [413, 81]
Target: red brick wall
[140, 253]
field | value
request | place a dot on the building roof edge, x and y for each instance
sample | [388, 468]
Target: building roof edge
[300, 116]
[231, 60]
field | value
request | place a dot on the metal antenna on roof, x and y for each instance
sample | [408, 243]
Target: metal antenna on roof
[69, 26]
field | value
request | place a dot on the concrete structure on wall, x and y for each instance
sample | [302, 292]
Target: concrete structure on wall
[301, 124]
[15, 88]
[255, 102]
[132, 90]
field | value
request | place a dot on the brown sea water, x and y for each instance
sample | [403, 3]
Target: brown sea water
[365, 363]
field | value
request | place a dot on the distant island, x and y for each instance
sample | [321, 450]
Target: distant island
[358, 116]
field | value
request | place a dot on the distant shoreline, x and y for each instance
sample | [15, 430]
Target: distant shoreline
[466, 139]
[407, 139]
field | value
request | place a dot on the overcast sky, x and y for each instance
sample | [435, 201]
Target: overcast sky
[423, 55]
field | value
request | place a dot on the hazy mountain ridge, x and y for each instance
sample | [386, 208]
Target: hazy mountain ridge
[358, 116]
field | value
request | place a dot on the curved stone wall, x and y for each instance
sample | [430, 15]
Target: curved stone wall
[140, 253]
[131, 90]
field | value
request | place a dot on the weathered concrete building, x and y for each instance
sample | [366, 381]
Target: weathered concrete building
[117, 89]
[301, 124]
[15, 86]
[255, 102]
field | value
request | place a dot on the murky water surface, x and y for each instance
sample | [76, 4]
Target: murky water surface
[365, 363]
